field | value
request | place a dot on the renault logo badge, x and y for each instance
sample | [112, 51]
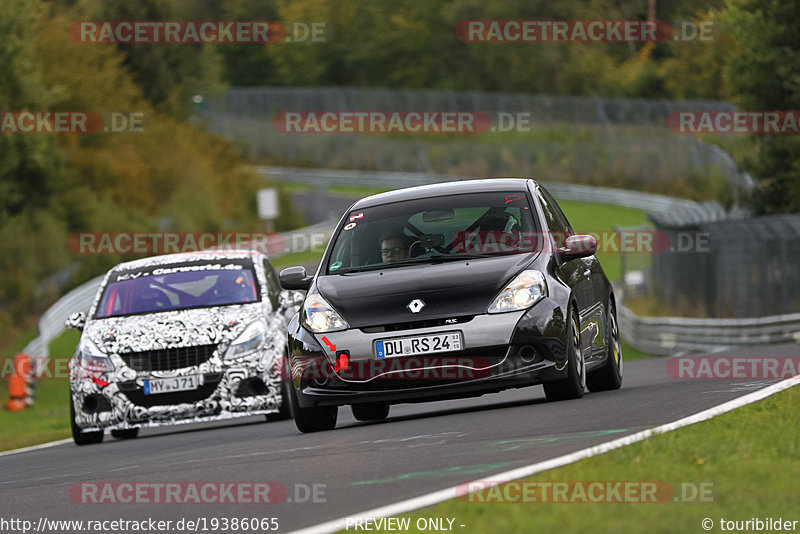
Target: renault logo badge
[415, 306]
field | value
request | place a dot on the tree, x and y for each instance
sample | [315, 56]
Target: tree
[169, 74]
[29, 165]
[764, 74]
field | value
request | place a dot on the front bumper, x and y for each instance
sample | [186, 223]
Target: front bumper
[234, 391]
[499, 351]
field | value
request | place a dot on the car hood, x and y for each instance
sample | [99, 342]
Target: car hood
[172, 329]
[449, 289]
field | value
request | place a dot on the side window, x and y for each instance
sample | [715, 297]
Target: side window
[273, 285]
[556, 222]
[559, 214]
[342, 256]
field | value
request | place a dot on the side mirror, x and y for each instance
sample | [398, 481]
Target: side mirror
[76, 321]
[295, 278]
[578, 246]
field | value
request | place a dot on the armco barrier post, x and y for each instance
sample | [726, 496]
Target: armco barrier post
[30, 380]
[17, 383]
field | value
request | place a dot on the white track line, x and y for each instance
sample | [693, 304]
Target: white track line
[36, 447]
[528, 470]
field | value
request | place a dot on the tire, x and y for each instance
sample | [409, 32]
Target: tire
[285, 411]
[316, 419]
[370, 412]
[573, 385]
[79, 436]
[126, 433]
[609, 376]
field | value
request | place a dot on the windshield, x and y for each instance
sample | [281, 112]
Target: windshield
[175, 287]
[437, 229]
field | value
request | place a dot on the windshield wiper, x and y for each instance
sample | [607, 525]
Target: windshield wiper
[457, 257]
[436, 258]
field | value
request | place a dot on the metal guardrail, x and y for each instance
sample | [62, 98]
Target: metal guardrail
[619, 197]
[51, 324]
[667, 336]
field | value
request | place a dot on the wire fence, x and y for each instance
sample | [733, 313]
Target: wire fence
[577, 111]
[730, 268]
[601, 141]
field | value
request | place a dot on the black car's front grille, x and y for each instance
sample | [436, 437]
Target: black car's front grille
[430, 323]
[168, 359]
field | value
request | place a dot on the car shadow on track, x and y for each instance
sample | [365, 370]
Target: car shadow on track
[446, 412]
[190, 428]
[350, 423]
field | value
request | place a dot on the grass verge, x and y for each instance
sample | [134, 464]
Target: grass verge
[594, 218]
[630, 354]
[13, 346]
[355, 191]
[295, 258]
[652, 306]
[748, 456]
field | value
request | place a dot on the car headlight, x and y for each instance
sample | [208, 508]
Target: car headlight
[528, 288]
[249, 341]
[320, 317]
[92, 360]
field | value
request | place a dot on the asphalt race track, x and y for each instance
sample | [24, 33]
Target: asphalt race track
[420, 448]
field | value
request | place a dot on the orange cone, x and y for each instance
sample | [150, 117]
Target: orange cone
[17, 383]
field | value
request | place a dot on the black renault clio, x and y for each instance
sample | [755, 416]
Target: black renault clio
[445, 291]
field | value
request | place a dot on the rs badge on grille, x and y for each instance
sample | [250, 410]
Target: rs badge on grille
[415, 306]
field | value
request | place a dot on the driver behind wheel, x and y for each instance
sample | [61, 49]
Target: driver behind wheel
[234, 288]
[394, 247]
